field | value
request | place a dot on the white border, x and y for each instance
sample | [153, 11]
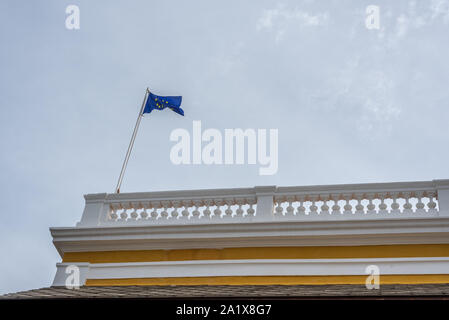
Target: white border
[262, 234]
[257, 267]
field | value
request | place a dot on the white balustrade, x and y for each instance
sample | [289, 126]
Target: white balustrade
[259, 204]
[418, 203]
[181, 209]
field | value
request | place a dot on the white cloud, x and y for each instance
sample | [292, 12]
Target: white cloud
[365, 95]
[282, 18]
[402, 25]
[440, 8]
[224, 62]
[421, 16]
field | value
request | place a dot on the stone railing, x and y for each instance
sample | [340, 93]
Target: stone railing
[259, 204]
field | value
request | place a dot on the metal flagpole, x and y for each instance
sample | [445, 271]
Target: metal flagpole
[131, 143]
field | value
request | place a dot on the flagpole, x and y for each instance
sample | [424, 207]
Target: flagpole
[131, 143]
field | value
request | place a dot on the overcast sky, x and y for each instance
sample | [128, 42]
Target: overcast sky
[352, 105]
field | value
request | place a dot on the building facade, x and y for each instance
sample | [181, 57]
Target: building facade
[392, 233]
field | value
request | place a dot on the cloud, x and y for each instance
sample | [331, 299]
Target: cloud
[402, 25]
[282, 18]
[422, 15]
[365, 95]
[225, 61]
[440, 9]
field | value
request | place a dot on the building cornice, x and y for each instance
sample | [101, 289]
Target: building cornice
[253, 268]
[415, 214]
[260, 234]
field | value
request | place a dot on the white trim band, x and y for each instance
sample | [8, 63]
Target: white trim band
[254, 267]
[267, 234]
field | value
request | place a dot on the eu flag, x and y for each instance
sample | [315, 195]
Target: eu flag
[155, 102]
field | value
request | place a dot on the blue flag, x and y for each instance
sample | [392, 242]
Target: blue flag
[155, 102]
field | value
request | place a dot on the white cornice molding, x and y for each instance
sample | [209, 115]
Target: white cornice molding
[360, 187]
[255, 234]
[254, 267]
[265, 190]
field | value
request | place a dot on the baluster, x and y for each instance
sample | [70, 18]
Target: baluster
[164, 212]
[347, 206]
[279, 211]
[150, 211]
[228, 211]
[196, 212]
[313, 207]
[175, 214]
[250, 211]
[407, 204]
[420, 205]
[336, 209]
[185, 212]
[144, 214]
[290, 210]
[359, 208]
[325, 207]
[134, 215]
[431, 205]
[395, 205]
[301, 208]
[123, 214]
[370, 207]
[382, 206]
[217, 211]
[239, 212]
[206, 212]
[113, 213]
[154, 214]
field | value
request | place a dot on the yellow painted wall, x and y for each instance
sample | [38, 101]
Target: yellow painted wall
[270, 280]
[319, 252]
[323, 252]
